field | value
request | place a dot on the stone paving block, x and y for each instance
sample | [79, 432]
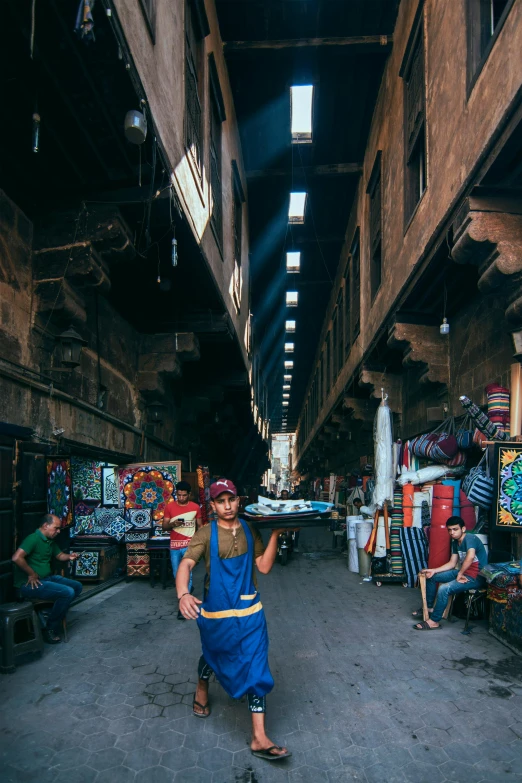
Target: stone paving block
[116, 775]
[87, 711]
[301, 740]
[200, 741]
[123, 725]
[323, 758]
[234, 741]
[140, 700]
[63, 741]
[155, 775]
[142, 758]
[487, 767]
[147, 668]
[495, 751]
[151, 679]
[194, 775]
[176, 679]
[307, 775]
[166, 699]
[232, 776]
[167, 740]
[417, 772]
[357, 757]
[147, 711]
[99, 741]
[157, 688]
[104, 759]
[429, 754]
[368, 739]
[215, 758]
[187, 725]
[72, 757]
[459, 772]
[181, 758]
[183, 688]
[378, 773]
[334, 739]
[346, 775]
[117, 711]
[136, 739]
[176, 711]
[433, 736]
[392, 755]
[77, 775]
[110, 699]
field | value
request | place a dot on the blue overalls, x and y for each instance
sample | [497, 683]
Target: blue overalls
[232, 623]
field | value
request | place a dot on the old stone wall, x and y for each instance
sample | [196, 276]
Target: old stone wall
[33, 393]
[161, 66]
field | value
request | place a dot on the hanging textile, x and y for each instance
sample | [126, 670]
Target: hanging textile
[397, 561]
[498, 407]
[414, 551]
[397, 518]
[383, 445]
[482, 422]
[59, 489]
[507, 506]
[149, 486]
[407, 504]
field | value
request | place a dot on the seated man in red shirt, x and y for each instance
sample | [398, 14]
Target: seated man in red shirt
[182, 517]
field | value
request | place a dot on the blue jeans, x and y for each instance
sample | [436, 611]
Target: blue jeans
[57, 589]
[448, 586]
[176, 556]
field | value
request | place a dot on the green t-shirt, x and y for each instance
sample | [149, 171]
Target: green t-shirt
[39, 553]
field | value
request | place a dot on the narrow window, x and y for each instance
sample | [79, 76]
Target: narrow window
[195, 32]
[328, 368]
[356, 286]
[291, 298]
[296, 209]
[340, 332]
[374, 191]
[237, 231]
[412, 72]
[485, 19]
[335, 339]
[293, 261]
[347, 308]
[148, 8]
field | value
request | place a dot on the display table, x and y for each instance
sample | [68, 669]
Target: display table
[505, 615]
[159, 554]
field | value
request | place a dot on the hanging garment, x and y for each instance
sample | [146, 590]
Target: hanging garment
[232, 623]
[414, 551]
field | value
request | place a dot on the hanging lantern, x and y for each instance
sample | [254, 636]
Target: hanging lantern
[71, 345]
[135, 127]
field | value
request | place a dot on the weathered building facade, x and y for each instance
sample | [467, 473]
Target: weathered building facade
[142, 248]
[435, 232]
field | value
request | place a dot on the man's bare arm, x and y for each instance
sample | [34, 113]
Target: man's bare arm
[188, 604]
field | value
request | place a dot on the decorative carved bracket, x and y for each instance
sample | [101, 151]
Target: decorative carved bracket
[392, 385]
[57, 296]
[422, 345]
[492, 240]
[362, 410]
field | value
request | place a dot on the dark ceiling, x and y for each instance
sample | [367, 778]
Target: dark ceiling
[346, 80]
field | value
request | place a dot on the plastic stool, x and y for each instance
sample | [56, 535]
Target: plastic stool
[40, 603]
[10, 615]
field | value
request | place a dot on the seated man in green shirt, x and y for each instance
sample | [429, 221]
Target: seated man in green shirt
[34, 579]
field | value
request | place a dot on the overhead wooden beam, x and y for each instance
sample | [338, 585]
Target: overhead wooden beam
[325, 170]
[383, 41]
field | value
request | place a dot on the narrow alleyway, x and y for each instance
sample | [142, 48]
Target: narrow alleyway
[359, 695]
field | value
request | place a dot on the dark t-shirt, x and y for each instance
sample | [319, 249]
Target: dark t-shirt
[471, 541]
[39, 552]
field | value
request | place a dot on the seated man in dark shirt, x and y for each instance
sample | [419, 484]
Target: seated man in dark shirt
[34, 578]
[459, 574]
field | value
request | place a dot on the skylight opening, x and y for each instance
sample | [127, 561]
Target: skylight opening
[296, 210]
[291, 298]
[293, 262]
[289, 365]
[286, 396]
[286, 387]
[287, 378]
[301, 98]
[290, 326]
[285, 402]
[289, 347]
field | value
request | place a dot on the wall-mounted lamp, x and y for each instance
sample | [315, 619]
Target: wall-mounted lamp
[70, 344]
[155, 412]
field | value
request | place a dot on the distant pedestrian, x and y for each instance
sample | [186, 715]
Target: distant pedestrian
[34, 578]
[182, 517]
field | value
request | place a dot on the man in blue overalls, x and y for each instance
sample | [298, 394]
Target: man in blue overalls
[231, 619]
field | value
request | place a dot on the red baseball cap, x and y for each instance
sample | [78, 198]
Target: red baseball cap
[220, 486]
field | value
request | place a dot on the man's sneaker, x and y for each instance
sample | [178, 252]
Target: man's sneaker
[180, 616]
[50, 636]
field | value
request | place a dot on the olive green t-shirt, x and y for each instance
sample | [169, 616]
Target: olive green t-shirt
[39, 552]
[229, 545]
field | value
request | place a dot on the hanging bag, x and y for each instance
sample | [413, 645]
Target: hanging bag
[478, 487]
[464, 433]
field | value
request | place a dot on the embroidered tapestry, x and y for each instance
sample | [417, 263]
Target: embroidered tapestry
[86, 478]
[110, 490]
[149, 486]
[87, 564]
[87, 526]
[507, 508]
[138, 559]
[82, 509]
[59, 490]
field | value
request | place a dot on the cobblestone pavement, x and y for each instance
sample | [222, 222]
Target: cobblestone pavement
[359, 695]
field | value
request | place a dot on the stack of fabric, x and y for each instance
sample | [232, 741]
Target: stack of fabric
[498, 407]
[397, 522]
